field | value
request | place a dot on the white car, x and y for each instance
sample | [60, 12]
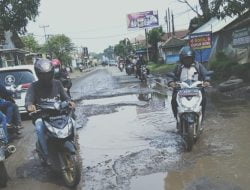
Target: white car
[18, 78]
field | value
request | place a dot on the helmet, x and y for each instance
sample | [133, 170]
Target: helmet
[187, 56]
[56, 62]
[57, 65]
[44, 71]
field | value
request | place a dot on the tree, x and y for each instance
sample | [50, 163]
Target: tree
[109, 52]
[212, 8]
[124, 48]
[60, 47]
[154, 37]
[30, 43]
[15, 14]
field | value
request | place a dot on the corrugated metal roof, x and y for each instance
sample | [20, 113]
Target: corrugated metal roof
[215, 24]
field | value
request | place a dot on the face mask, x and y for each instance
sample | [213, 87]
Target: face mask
[187, 61]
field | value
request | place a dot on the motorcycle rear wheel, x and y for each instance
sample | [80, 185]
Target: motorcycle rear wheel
[72, 172]
[3, 175]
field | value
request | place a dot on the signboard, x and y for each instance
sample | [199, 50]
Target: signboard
[241, 37]
[143, 20]
[200, 40]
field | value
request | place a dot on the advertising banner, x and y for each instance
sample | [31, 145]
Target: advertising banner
[200, 40]
[241, 37]
[145, 19]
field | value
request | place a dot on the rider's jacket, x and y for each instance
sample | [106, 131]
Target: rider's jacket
[38, 93]
[196, 72]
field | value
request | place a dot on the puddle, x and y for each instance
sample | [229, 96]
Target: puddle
[149, 182]
[112, 100]
[133, 141]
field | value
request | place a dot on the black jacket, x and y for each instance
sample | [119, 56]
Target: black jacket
[37, 93]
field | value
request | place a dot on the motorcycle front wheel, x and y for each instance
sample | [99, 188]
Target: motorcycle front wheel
[3, 175]
[72, 171]
[189, 138]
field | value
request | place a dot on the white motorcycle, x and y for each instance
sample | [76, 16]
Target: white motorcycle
[189, 109]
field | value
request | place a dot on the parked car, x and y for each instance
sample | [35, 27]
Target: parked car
[112, 63]
[18, 78]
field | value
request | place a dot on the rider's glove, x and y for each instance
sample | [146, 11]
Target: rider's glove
[206, 84]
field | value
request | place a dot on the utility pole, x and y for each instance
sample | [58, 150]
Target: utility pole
[173, 30]
[166, 20]
[44, 29]
[146, 36]
[169, 21]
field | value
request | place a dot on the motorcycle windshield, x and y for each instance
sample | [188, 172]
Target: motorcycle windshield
[58, 122]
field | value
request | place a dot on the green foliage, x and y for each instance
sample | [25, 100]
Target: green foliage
[157, 68]
[15, 14]
[219, 8]
[154, 36]
[234, 7]
[124, 48]
[109, 52]
[225, 67]
[60, 47]
[30, 43]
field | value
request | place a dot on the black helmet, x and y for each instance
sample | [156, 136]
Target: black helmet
[187, 56]
[44, 71]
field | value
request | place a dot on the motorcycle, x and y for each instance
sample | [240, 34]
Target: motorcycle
[60, 132]
[5, 152]
[80, 67]
[121, 66]
[189, 110]
[130, 69]
[143, 73]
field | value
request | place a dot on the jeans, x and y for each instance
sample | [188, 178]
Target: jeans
[4, 126]
[40, 131]
[17, 121]
[8, 108]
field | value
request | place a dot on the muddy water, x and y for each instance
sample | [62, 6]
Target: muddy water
[220, 160]
[129, 142]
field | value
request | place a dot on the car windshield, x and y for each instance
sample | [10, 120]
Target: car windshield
[16, 77]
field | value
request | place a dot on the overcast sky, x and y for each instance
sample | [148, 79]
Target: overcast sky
[100, 23]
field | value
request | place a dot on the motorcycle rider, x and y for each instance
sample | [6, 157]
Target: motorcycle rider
[8, 96]
[62, 75]
[139, 63]
[45, 89]
[188, 70]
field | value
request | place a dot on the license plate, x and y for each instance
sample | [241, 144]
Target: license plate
[2, 133]
[189, 92]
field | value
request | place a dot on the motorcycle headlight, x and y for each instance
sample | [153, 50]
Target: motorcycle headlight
[60, 133]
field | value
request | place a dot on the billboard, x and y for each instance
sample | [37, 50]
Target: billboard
[200, 40]
[145, 19]
[241, 37]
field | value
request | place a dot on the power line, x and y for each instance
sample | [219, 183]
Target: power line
[44, 29]
[103, 37]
